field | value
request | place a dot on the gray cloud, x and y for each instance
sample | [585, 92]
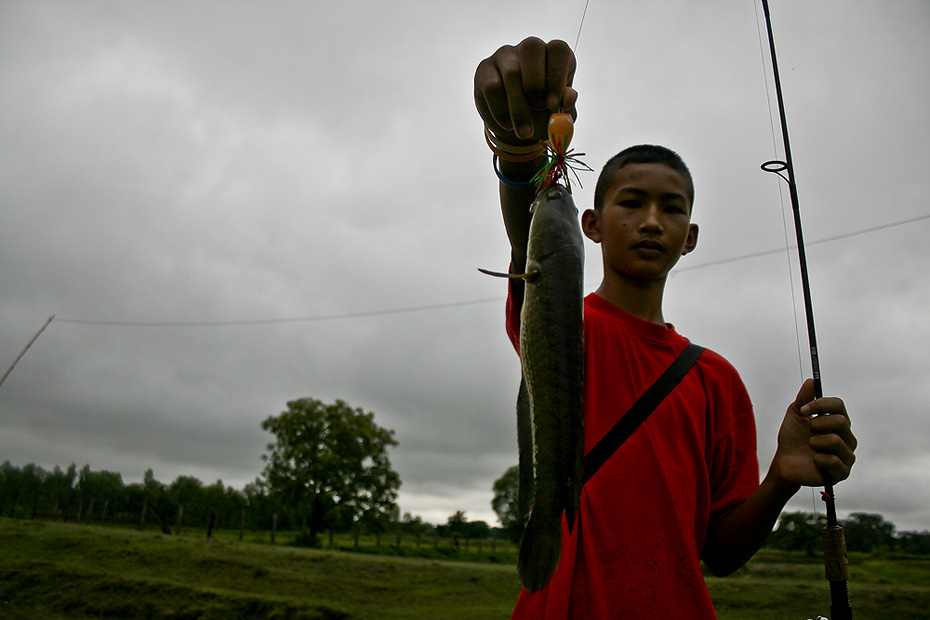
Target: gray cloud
[222, 163]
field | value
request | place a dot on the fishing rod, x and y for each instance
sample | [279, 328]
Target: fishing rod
[837, 570]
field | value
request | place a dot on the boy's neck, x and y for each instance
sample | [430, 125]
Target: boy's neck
[641, 299]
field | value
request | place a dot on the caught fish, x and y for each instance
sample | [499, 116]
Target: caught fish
[550, 422]
[549, 413]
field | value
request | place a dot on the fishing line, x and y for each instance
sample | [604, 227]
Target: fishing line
[784, 220]
[305, 319]
[578, 37]
[781, 197]
[835, 561]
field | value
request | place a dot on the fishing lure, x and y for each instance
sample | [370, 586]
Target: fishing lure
[561, 159]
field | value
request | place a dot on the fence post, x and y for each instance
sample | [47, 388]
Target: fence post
[211, 521]
[103, 515]
[177, 531]
[142, 517]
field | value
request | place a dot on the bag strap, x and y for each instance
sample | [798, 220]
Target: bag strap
[640, 410]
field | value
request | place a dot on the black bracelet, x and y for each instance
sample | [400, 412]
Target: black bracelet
[510, 182]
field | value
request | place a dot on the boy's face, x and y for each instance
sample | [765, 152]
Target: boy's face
[644, 224]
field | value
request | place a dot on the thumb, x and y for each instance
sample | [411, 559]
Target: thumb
[805, 395]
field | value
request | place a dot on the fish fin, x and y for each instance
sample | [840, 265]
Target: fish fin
[539, 552]
[527, 477]
[576, 469]
[496, 274]
[573, 498]
[529, 277]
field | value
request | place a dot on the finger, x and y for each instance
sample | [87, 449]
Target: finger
[533, 62]
[560, 72]
[837, 425]
[833, 444]
[835, 468]
[805, 395]
[527, 56]
[490, 96]
[825, 406]
[569, 97]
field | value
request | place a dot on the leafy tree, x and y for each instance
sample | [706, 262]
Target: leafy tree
[60, 488]
[10, 480]
[156, 497]
[32, 482]
[187, 493]
[98, 490]
[261, 505]
[914, 542]
[799, 531]
[226, 502]
[413, 524]
[868, 532]
[329, 461]
[504, 503]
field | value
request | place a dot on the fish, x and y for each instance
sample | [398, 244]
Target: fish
[550, 422]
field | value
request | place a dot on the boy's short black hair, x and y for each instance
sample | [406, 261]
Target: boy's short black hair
[640, 154]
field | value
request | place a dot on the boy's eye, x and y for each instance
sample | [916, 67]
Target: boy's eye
[629, 204]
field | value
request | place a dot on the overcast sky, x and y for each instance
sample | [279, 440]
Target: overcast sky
[295, 177]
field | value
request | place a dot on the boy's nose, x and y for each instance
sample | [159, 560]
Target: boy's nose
[652, 220]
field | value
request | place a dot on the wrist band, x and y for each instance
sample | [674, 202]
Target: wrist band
[509, 182]
[511, 152]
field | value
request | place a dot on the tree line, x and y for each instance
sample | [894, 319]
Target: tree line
[864, 532]
[102, 498]
[328, 469]
[796, 531]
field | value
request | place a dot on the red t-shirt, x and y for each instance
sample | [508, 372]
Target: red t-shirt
[645, 514]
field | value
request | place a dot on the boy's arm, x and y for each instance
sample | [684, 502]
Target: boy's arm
[515, 208]
[516, 90]
[814, 439]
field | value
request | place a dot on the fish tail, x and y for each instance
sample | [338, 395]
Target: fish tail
[539, 552]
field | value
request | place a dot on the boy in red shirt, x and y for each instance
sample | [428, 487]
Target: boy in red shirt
[684, 488]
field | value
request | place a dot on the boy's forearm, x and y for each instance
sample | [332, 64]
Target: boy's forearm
[743, 531]
[515, 207]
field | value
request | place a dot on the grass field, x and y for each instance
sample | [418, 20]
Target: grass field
[60, 571]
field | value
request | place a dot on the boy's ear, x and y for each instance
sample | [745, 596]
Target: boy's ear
[691, 240]
[591, 225]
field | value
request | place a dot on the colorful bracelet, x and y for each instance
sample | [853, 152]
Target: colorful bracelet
[509, 182]
[511, 152]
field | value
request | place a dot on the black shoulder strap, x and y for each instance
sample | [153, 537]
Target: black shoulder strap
[640, 410]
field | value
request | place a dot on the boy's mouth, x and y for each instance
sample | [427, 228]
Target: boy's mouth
[648, 244]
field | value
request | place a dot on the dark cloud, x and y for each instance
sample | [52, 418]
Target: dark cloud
[222, 163]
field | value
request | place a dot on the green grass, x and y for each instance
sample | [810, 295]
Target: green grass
[783, 585]
[72, 572]
[56, 570]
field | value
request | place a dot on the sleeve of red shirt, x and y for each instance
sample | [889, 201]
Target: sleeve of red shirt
[735, 465]
[514, 306]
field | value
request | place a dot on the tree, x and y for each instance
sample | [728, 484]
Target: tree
[330, 460]
[799, 531]
[868, 532]
[60, 487]
[504, 503]
[98, 490]
[156, 498]
[914, 542]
